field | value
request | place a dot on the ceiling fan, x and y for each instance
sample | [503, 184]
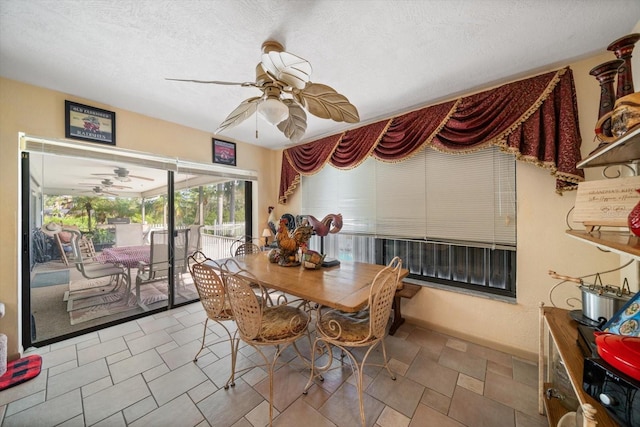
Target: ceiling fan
[284, 80]
[99, 191]
[122, 175]
[107, 183]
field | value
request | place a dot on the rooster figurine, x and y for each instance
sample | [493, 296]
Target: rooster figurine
[331, 223]
[290, 243]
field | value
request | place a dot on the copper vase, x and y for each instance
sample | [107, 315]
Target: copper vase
[623, 47]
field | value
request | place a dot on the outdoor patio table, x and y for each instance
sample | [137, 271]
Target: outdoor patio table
[127, 256]
[344, 287]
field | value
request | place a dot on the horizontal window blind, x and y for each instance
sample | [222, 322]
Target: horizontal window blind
[120, 155]
[432, 195]
[471, 197]
[348, 192]
[401, 208]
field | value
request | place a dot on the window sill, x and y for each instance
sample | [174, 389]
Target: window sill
[469, 292]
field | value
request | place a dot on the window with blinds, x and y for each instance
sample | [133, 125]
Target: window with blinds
[452, 218]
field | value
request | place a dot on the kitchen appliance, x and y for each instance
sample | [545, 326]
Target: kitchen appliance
[587, 340]
[621, 352]
[599, 301]
[603, 301]
[618, 393]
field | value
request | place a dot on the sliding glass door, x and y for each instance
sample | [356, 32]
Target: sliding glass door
[109, 239]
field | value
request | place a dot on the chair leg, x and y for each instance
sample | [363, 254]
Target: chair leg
[271, 366]
[358, 371]
[204, 334]
[313, 374]
[386, 360]
[234, 354]
[84, 294]
[234, 342]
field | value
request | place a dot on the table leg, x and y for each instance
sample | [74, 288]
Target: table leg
[397, 315]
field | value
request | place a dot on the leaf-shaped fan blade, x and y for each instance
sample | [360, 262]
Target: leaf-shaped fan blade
[323, 101]
[295, 125]
[288, 68]
[217, 82]
[240, 114]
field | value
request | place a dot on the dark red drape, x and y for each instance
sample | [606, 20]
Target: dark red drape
[535, 119]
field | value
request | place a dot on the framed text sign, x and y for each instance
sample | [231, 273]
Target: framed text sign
[224, 152]
[89, 123]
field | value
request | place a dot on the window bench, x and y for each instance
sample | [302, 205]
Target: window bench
[408, 291]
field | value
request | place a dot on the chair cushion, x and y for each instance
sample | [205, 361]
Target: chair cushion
[281, 322]
[353, 328]
[65, 236]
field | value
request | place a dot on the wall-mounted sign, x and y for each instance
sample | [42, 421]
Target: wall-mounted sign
[224, 152]
[89, 123]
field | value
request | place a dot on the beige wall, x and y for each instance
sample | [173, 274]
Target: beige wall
[542, 243]
[40, 112]
[542, 246]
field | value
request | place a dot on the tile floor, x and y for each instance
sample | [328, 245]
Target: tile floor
[141, 373]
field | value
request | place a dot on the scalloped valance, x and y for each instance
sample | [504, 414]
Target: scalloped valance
[535, 119]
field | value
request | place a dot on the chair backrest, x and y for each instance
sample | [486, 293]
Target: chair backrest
[82, 250]
[194, 238]
[247, 248]
[181, 250]
[211, 289]
[129, 235]
[383, 289]
[246, 307]
[240, 245]
[159, 252]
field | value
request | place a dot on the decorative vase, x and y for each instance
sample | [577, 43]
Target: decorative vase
[623, 47]
[634, 219]
[605, 73]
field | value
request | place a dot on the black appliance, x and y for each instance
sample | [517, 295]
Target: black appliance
[618, 393]
[587, 340]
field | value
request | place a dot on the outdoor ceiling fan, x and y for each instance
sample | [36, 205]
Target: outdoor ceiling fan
[107, 183]
[122, 175]
[286, 89]
[99, 191]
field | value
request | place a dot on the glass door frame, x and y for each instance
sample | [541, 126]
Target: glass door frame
[53, 146]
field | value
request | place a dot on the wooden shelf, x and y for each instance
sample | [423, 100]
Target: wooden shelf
[621, 242]
[564, 332]
[625, 150]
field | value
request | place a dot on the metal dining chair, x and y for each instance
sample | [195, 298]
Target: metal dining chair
[208, 281]
[91, 269]
[261, 326]
[158, 267]
[367, 329]
[246, 248]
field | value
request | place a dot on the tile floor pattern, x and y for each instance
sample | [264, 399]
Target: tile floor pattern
[141, 373]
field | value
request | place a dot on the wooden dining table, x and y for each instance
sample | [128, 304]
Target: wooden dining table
[344, 287]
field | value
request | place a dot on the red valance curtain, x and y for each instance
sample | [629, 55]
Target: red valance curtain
[535, 119]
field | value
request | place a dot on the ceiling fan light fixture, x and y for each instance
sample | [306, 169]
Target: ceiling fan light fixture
[273, 110]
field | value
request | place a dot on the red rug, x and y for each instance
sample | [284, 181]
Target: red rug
[21, 370]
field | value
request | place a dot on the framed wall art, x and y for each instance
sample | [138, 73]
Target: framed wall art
[224, 152]
[89, 123]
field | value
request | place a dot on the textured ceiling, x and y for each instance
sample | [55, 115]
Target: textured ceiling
[386, 56]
